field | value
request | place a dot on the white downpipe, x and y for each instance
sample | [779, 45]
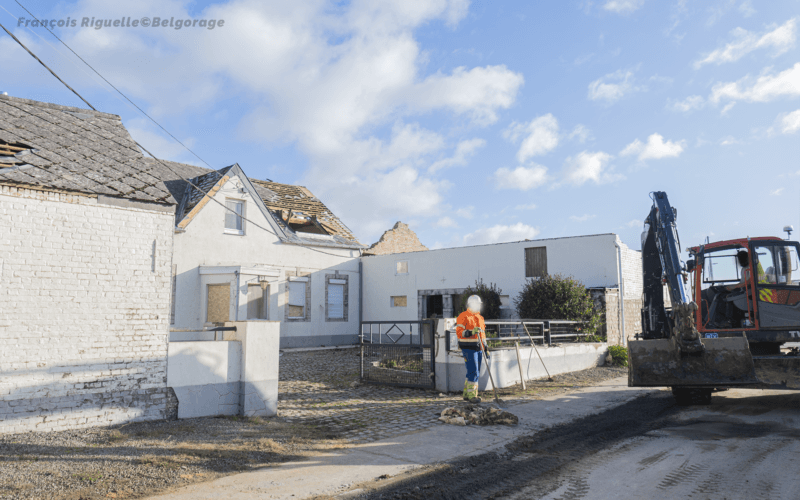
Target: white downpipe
[621, 293]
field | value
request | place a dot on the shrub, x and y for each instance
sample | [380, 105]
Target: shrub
[558, 297]
[489, 294]
[619, 355]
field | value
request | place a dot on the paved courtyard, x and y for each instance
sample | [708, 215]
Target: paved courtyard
[322, 387]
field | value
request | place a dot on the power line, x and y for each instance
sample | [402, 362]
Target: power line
[189, 182]
[45, 66]
[111, 84]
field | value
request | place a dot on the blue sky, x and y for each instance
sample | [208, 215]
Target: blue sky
[474, 122]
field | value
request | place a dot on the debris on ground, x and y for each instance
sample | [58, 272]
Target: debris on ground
[477, 415]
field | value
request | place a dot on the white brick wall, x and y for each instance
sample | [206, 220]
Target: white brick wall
[84, 311]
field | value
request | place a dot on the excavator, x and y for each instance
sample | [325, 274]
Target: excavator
[725, 318]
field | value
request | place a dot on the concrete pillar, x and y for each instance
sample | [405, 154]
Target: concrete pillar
[258, 393]
[447, 306]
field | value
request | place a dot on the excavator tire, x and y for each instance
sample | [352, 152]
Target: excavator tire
[691, 396]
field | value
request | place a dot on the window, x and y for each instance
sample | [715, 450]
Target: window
[402, 267]
[258, 301]
[297, 299]
[399, 301]
[234, 213]
[536, 262]
[218, 303]
[337, 293]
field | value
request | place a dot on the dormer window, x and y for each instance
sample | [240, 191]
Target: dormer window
[234, 217]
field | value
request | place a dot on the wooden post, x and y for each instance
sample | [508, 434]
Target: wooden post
[519, 363]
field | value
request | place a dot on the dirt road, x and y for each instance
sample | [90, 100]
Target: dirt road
[746, 445]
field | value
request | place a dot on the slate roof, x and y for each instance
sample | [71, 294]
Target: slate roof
[74, 149]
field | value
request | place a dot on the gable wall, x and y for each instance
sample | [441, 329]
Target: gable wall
[204, 243]
[84, 311]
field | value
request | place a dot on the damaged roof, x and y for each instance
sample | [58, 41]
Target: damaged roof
[45, 145]
[296, 205]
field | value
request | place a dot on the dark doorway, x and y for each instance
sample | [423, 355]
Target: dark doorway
[434, 306]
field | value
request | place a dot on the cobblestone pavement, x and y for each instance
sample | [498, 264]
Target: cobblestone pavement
[321, 387]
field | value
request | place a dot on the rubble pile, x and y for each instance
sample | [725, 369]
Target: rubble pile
[477, 415]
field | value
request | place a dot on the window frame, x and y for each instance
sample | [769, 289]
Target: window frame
[392, 301]
[533, 274]
[344, 282]
[226, 229]
[397, 265]
[306, 280]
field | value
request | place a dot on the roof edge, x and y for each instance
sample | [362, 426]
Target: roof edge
[59, 107]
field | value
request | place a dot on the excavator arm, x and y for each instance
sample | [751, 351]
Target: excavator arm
[672, 352]
[661, 264]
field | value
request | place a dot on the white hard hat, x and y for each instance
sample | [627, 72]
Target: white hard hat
[474, 303]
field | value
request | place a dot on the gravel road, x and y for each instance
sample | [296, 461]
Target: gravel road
[746, 445]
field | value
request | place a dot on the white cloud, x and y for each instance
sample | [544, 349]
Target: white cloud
[582, 218]
[746, 8]
[586, 166]
[780, 39]
[522, 178]
[501, 234]
[613, 87]
[776, 192]
[689, 104]
[465, 212]
[464, 150]
[328, 81]
[529, 206]
[580, 133]
[634, 223]
[654, 149]
[791, 122]
[765, 88]
[729, 141]
[446, 222]
[623, 6]
[540, 136]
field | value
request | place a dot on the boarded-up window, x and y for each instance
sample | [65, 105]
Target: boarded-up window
[258, 301]
[402, 267]
[218, 306]
[335, 301]
[536, 262]
[399, 301]
[297, 299]
[233, 216]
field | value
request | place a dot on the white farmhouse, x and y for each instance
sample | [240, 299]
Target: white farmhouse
[259, 250]
[424, 284]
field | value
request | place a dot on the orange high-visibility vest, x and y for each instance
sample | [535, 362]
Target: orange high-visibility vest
[466, 322]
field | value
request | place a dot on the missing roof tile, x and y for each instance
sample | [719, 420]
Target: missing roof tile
[10, 153]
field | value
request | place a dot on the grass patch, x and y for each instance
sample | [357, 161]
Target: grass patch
[88, 477]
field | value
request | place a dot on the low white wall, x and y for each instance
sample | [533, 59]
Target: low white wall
[451, 370]
[234, 376]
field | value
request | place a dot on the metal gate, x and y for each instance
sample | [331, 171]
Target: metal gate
[398, 353]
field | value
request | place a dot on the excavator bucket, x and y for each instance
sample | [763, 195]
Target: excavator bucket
[659, 363]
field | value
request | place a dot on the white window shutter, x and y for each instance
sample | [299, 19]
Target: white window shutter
[297, 293]
[335, 301]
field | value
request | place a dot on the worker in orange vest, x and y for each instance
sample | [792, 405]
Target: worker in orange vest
[471, 332]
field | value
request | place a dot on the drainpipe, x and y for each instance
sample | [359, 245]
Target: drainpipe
[621, 293]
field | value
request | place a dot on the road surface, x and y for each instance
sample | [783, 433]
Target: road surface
[745, 445]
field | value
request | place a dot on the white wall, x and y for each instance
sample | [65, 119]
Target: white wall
[84, 310]
[591, 259]
[204, 243]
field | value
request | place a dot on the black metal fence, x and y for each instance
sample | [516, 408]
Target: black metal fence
[505, 333]
[398, 353]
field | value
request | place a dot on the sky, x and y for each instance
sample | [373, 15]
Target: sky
[473, 122]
